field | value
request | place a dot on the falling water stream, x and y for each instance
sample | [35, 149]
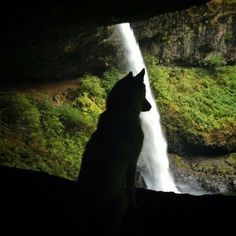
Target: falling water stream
[154, 152]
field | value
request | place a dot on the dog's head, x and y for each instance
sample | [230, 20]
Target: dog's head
[129, 94]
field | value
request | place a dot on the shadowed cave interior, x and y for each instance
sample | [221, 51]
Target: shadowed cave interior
[38, 45]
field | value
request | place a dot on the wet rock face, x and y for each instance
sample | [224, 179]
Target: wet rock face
[203, 174]
[192, 180]
[187, 181]
[190, 37]
[140, 182]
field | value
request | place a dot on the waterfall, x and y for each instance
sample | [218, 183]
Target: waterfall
[154, 152]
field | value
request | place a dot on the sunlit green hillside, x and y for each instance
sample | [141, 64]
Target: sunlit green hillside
[197, 106]
[48, 133]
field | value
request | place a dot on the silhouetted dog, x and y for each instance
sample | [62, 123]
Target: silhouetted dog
[107, 174]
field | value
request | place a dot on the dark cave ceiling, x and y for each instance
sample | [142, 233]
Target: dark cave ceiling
[67, 12]
[33, 33]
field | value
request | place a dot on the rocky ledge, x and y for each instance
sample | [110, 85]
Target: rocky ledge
[192, 37]
[204, 174]
[40, 204]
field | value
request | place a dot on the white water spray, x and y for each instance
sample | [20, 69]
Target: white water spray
[154, 151]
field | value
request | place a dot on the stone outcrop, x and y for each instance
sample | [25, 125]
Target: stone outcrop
[201, 175]
[193, 36]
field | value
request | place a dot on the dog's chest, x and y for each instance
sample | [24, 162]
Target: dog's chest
[121, 126]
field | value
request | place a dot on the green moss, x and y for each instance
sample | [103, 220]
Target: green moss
[220, 167]
[230, 1]
[231, 160]
[229, 36]
[214, 59]
[180, 163]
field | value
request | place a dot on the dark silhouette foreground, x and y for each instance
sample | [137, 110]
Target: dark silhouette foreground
[34, 203]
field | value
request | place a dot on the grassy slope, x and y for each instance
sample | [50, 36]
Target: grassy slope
[49, 134]
[197, 105]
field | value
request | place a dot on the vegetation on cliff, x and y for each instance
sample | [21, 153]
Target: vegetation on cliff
[49, 133]
[193, 36]
[197, 107]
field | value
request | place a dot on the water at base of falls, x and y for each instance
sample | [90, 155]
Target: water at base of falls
[154, 152]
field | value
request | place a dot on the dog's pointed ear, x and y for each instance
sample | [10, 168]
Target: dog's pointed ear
[140, 75]
[130, 74]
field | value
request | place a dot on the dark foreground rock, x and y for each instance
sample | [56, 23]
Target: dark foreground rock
[35, 203]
